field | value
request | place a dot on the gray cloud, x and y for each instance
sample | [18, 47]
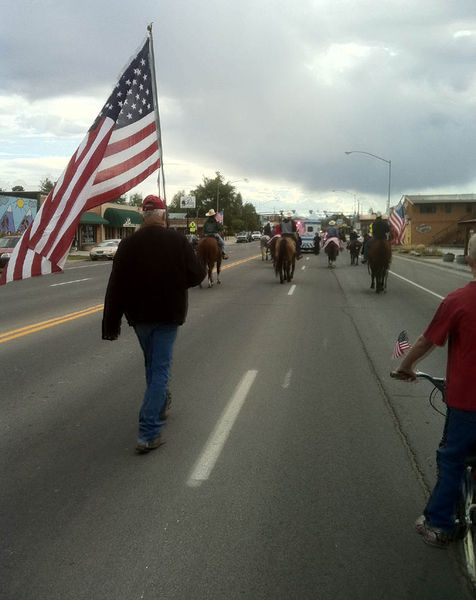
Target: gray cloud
[274, 90]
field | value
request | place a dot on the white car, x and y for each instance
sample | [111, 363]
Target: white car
[106, 249]
[256, 235]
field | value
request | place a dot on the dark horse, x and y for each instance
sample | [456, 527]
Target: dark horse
[380, 256]
[332, 251]
[354, 248]
[285, 258]
[209, 253]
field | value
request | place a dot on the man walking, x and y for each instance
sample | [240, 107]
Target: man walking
[151, 272]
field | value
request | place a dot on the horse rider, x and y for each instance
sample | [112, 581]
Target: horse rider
[289, 229]
[380, 228]
[212, 228]
[267, 229]
[317, 243]
[332, 230]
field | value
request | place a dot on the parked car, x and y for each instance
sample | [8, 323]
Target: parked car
[7, 244]
[106, 249]
[242, 237]
[255, 235]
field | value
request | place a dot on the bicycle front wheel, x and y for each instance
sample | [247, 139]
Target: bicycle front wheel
[468, 524]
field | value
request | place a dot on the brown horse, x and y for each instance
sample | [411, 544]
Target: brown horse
[332, 251]
[380, 257]
[209, 253]
[354, 248]
[285, 259]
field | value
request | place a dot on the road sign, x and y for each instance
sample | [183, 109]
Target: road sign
[187, 202]
[192, 227]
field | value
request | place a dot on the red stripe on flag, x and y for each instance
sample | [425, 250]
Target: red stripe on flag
[126, 165]
[129, 141]
[123, 188]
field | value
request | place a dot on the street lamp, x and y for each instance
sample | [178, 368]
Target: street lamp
[389, 163]
[228, 183]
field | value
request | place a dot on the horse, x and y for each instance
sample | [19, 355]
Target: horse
[354, 248]
[265, 251]
[380, 256]
[285, 259]
[209, 253]
[331, 248]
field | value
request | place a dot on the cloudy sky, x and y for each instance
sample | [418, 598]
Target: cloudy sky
[275, 91]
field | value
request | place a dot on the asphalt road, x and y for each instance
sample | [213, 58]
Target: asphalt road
[294, 466]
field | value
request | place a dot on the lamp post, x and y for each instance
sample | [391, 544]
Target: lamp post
[389, 163]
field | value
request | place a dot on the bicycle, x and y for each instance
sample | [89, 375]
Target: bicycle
[465, 519]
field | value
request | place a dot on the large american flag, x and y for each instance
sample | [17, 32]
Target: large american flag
[398, 222]
[119, 151]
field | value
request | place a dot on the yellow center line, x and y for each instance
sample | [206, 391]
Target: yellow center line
[34, 327]
[16, 333]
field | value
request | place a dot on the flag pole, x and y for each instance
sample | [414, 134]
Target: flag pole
[157, 116]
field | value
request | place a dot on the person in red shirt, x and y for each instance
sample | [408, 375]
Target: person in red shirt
[455, 322]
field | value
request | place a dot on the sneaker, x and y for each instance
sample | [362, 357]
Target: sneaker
[432, 535]
[225, 256]
[299, 257]
[145, 447]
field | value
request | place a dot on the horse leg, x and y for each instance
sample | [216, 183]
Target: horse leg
[218, 271]
[210, 275]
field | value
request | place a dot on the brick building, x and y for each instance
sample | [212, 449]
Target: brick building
[436, 219]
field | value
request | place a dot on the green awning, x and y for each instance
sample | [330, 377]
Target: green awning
[122, 218]
[90, 218]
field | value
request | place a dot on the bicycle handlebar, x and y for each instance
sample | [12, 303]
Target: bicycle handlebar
[438, 382]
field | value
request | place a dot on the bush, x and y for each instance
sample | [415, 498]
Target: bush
[419, 248]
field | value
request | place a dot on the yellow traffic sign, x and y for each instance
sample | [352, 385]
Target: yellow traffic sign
[192, 227]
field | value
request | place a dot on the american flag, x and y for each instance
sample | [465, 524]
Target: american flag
[219, 217]
[398, 222]
[401, 346]
[119, 151]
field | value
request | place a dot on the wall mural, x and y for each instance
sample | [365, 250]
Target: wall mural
[16, 214]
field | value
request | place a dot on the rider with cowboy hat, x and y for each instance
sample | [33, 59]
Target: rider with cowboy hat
[289, 229]
[332, 230]
[212, 228]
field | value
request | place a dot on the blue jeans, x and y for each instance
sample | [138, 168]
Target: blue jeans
[459, 435]
[220, 241]
[157, 343]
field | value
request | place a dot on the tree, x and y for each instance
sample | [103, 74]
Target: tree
[17, 188]
[135, 200]
[175, 204]
[46, 185]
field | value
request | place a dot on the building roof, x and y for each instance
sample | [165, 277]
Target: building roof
[439, 198]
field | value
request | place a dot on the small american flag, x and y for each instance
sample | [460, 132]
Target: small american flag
[119, 151]
[219, 217]
[401, 346]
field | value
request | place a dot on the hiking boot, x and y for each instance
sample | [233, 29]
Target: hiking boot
[224, 256]
[145, 447]
[432, 535]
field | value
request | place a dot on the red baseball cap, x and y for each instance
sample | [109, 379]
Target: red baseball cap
[152, 203]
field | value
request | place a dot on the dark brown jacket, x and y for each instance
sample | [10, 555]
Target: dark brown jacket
[150, 275]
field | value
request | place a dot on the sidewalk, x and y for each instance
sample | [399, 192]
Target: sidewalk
[437, 261]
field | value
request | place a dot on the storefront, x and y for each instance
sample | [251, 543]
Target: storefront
[89, 231]
[121, 222]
